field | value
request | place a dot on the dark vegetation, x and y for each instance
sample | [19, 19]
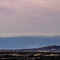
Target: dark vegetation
[44, 53]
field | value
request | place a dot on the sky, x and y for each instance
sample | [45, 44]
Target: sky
[29, 16]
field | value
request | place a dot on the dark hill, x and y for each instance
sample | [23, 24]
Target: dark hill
[52, 48]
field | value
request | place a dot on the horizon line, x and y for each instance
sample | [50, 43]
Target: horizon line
[28, 34]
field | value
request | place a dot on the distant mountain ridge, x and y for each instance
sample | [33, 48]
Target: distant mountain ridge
[52, 48]
[27, 42]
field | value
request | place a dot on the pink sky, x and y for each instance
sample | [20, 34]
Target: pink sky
[29, 16]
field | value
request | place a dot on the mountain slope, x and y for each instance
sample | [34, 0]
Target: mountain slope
[52, 48]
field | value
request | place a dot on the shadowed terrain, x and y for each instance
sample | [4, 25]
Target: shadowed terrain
[43, 53]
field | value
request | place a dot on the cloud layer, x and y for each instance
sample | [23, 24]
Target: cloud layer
[30, 34]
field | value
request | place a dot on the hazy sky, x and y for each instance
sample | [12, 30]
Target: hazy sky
[26, 18]
[29, 16]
